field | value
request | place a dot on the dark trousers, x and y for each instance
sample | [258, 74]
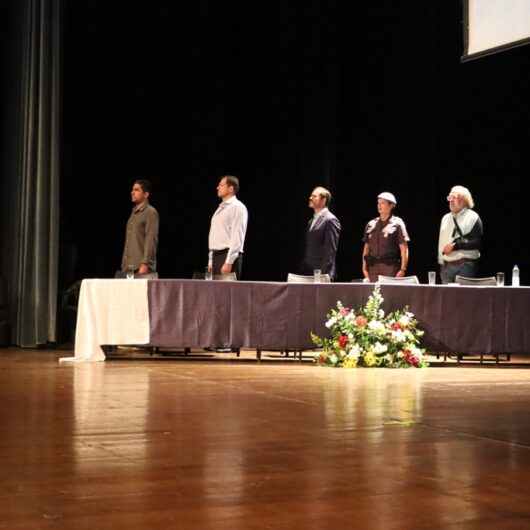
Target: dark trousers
[219, 258]
[383, 269]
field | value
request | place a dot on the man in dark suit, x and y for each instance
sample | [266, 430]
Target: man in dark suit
[322, 236]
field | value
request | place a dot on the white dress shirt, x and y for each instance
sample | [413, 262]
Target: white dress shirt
[228, 229]
[316, 216]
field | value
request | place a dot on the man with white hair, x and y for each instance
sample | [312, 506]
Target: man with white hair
[460, 237]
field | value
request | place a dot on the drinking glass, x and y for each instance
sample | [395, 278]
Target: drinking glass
[208, 275]
[317, 275]
[129, 272]
[500, 279]
[432, 277]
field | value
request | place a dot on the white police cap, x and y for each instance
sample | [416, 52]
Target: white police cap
[387, 196]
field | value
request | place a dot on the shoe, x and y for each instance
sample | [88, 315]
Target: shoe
[223, 350]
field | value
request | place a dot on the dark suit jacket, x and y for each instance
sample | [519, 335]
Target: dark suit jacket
[321, 242]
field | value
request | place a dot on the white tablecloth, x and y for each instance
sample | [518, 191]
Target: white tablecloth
[110, 312]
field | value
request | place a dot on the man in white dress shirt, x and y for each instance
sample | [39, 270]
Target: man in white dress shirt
[227, 230]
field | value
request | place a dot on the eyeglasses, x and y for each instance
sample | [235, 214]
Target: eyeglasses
[449, 197]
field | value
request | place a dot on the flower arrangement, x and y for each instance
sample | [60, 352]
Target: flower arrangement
[366, 337]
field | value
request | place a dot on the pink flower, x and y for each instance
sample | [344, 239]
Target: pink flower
[344, 310]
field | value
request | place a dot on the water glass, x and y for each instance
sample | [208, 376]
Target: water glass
[432, 277]
[208, 274]
[317, 275]
[129, 272]
[500, 279]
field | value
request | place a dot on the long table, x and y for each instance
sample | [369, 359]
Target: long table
[275, 315]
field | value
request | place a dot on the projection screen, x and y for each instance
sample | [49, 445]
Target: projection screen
[494, 25]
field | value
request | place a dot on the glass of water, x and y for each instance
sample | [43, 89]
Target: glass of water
[208, 273]
[317, 274]
[500, 279]
[129, 272]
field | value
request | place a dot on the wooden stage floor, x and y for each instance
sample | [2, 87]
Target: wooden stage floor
[145, 444]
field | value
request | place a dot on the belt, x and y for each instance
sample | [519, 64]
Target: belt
[458, 261]
[223, 251]
[387, 260]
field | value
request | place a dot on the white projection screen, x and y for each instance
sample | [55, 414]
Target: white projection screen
[491, 26]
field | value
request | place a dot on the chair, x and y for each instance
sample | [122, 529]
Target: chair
[407, 280]
[231, 276]
[120, 275]
[299, 278]
[462, 280]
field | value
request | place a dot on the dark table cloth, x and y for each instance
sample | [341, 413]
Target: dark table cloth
[273, 315]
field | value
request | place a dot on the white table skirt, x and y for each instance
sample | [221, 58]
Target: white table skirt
[110, 312]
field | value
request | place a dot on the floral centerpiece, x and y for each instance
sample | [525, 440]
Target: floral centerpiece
[368, 337]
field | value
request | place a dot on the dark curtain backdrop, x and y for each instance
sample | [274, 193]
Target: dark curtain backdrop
[357, 96]
[30, 168]
[360, 97]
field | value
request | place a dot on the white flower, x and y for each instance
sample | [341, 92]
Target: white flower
[381, 314]
[409, 335]
[355, 351]
[380, 348]
[417, 353]
[404, 321]
[331, 322]
[376, 326]
[398, 335]
[333, 358]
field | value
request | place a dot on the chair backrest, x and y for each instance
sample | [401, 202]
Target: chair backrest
[119, 275]
[231, 276]
[300, 278]
[412, 280]
[462, 280]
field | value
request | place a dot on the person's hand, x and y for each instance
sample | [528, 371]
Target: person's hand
[448, 248]
[226, 268]
[143, 269]
[400, 274]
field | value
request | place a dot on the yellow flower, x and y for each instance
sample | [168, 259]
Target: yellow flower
[369, 358]
[349, 362]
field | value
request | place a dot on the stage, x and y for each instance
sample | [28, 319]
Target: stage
[139, 444]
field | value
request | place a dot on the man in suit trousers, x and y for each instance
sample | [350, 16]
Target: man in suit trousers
[322, 236]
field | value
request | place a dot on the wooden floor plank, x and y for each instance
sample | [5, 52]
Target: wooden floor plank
[198, 445]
